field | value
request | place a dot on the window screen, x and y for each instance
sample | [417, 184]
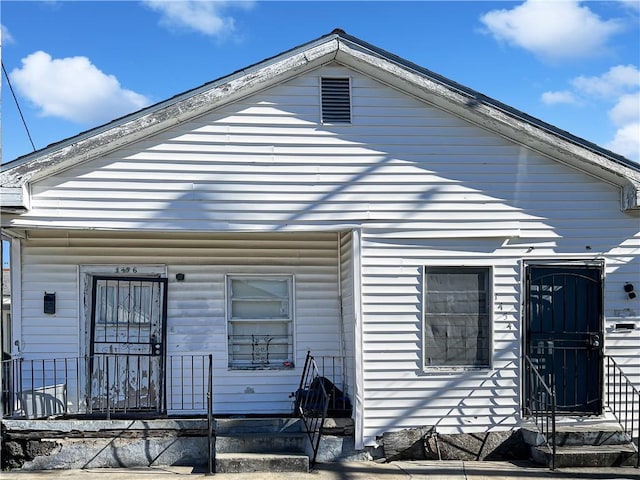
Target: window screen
[456, 320]
[260, 321]
[125, 301]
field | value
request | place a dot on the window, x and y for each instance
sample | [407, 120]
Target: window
[126, 301]
[260, 321]
[456, 317]
[336, 100]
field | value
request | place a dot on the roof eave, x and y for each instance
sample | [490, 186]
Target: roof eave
[14, 200]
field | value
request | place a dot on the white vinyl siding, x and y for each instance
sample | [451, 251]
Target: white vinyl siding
[196, 319]
[265, 163]
[465, 401]
[424, 186]
[347, 306]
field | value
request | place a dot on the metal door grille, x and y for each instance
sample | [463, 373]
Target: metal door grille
[128, 318]
[564, 333]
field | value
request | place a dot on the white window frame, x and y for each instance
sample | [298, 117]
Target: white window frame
[259, 362]
[489, 313]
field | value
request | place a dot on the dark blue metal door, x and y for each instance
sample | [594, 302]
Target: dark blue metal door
[564, 333]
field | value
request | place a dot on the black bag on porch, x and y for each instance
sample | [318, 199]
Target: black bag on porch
[309, 401]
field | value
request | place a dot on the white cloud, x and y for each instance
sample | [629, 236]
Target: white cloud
[5, 36]
[73, 88]
[627, 110]
[552, 30]
[620, 86]
[564, 96]
[618, 89]
[627, 141]
[613, 83]
[203, 16]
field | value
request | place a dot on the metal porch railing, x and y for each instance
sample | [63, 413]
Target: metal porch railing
[312, 402]
[540, 405]
[320, 395]
[104, 385]
[623, 398]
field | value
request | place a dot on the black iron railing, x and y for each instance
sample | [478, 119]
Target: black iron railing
[623, 399]
[260, 351]
[105, 385]
[333, 370]
[322, 392]
[312, 402]
[540, 405]
[211, 425]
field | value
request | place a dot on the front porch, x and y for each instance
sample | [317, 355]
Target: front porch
[58, 413]
[106, 386]
[117, 386]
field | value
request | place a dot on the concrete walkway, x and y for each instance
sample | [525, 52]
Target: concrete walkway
[417, 470]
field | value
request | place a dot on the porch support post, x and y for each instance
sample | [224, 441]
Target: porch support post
[356, 253]
[16, 296]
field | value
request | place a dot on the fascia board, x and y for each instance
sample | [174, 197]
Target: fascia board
[14, 199]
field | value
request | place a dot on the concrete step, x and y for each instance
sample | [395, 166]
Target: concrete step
[580, 435]
[261, 462]
[260, 442]
[226, 426]
[604, 434]
[586, 456]
[260, 445]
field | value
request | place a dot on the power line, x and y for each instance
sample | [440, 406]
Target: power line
[15, 99]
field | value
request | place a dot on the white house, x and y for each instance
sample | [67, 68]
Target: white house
[340, 200]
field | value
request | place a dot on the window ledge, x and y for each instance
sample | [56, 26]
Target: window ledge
[436, 370]
[262, 367]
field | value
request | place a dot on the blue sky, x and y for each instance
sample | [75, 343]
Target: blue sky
[75, 65]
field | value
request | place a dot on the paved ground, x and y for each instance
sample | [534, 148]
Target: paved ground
[418, 470]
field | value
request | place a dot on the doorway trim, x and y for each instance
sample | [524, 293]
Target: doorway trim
[85, 291]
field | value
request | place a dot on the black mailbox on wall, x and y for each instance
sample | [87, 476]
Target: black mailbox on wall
[49, 303]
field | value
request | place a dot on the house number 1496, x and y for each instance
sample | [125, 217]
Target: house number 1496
[123, 269]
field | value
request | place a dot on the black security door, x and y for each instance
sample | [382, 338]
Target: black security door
[127, 353]
[564, 333]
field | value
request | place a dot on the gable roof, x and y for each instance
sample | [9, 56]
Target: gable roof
[354, 53]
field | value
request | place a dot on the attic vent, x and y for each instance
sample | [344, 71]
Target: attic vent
[336, 100]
